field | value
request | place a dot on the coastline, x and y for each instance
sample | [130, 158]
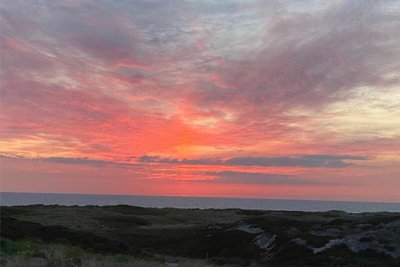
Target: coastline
[13, 198]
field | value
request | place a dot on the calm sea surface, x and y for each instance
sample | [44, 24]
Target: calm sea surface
[11, 199]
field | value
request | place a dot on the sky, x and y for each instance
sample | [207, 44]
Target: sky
[256, 99]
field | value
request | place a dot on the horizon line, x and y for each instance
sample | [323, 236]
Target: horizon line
[188, 196]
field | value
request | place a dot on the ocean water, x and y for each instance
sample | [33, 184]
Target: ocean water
[13, 199]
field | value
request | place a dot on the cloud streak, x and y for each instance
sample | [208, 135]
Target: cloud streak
[72, 160]
[325, 161]
[261, 178]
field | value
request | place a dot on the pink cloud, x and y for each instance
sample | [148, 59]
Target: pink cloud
[114, 81]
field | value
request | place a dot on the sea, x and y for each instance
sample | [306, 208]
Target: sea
[16, 199]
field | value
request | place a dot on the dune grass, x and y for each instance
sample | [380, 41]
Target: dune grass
[36, 254]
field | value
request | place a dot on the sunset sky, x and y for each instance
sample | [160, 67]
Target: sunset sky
[261, 99]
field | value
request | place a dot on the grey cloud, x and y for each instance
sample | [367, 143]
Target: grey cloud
[287, 161]
[205, 161]
[89, 161]
[95, 29]
[335, 157]
[260, 178]
[328, 161]
[77, 161]
[66, 160]
[310, 58]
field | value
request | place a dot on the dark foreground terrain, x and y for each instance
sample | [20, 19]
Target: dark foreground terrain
[42, 235]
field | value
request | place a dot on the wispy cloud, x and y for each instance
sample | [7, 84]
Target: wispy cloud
[73, 161]
[328, 161]
[262, 178]
[77, 161]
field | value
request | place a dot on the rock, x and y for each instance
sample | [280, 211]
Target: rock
[265, 241]
[299, 241]
[329, 232]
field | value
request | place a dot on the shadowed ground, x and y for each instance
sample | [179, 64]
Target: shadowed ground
[167, 237]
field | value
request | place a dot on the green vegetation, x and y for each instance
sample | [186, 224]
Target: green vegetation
[30, 253]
